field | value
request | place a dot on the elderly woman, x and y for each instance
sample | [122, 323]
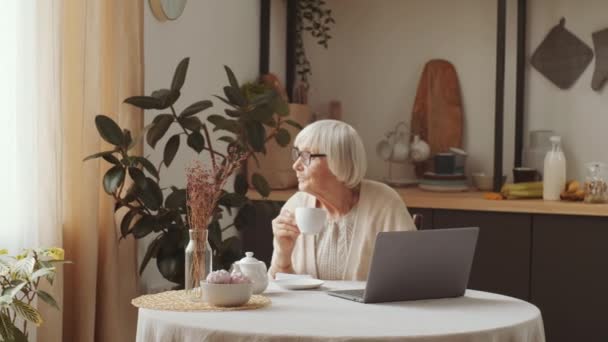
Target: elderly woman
[329, 160]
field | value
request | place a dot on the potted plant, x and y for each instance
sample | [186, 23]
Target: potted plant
[20, 278]
[249, 123]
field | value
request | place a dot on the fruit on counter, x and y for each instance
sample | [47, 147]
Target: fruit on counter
[522, 190]
[495, 196]
[572, 191]
[572, 186]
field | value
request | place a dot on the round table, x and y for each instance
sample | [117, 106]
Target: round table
[312, 315]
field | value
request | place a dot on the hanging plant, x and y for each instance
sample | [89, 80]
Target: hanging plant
[314, 17]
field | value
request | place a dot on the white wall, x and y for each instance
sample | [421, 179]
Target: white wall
[579, 114]
[379, 48]
[212, 33]
[375, 59]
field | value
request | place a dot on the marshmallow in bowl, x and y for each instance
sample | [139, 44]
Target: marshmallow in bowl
[239, 278]
[219, 277]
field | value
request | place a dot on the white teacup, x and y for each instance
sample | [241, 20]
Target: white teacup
[310, 220]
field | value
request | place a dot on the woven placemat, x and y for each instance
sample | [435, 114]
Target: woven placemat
[179, 301]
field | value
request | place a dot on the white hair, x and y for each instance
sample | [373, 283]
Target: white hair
[345, 152]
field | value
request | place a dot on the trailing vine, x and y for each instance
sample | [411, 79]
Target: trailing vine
[314, 17]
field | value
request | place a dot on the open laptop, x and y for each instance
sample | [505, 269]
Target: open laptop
[421, 264]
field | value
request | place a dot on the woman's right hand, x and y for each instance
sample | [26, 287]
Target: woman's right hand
[285, 233]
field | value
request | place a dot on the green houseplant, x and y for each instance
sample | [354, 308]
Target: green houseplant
[250, 122]
[19, 280]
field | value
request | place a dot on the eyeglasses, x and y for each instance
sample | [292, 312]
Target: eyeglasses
[305, 155]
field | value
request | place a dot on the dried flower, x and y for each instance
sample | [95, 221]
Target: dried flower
[204, 189]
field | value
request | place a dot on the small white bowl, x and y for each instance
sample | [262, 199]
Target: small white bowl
[483, 182]
[226, 294]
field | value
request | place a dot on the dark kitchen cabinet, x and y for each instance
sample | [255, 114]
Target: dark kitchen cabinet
[570, 276]
[502, 256]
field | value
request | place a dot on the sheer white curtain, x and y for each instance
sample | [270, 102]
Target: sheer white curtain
[30, 140]
[30, 135]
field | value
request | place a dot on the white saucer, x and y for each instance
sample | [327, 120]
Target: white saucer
[299, 283]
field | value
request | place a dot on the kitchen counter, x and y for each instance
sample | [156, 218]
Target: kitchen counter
[472, 200]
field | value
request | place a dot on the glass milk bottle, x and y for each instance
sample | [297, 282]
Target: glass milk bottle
[554, 173]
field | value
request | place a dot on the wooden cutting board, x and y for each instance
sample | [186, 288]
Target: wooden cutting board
[437, 116]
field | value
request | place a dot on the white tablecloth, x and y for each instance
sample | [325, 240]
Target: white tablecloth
[312, 315]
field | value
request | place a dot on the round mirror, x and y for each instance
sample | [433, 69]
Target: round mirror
[167, 9]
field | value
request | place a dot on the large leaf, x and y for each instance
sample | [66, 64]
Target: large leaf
[144, 226]
[148, 166]
[150, 194]
[171, 149]
[42, 272]
[125, 224]
[227, 139]
[283, 138]
[27, 312]
[215, 234]
[24, 267]
[176, 199]
[262, 113]
[113, 179]
[145, 102]
[196, 107]
[233, 199]
[111, 159]
[260, 184]
[240, 184]
[294, 124]
[158, 130]
[231, 78]
[179, 77]
[167, 97]
[196, 141]
[280, 106]
[163, 96]
[221, 123]
[264, 98]
[151, 252]
[192, 123]
[235, 96]
[170, 258]
[11, 291]
[97, 155]
[256, 135]
[5, 301]
[47, 298]
[6, 328]
[233, 113]
[109, 130]
[138, 176]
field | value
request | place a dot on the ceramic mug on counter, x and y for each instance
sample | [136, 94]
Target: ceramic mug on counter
[525, 174]
[445, 163]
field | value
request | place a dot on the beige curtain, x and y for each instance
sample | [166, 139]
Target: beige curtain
[102, 64]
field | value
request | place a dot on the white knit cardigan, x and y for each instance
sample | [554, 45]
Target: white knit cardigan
[380, 208]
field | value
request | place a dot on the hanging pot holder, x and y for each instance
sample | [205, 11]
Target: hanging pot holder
[562, 57]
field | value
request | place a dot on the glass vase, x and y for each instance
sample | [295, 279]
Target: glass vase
[199, 261]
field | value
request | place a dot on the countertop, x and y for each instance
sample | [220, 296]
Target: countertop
[472, 200]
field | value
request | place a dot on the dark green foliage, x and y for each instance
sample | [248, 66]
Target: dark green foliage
[152, 211]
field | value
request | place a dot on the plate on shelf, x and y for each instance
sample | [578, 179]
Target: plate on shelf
[400, 182]
[443, 188]
[299, 283]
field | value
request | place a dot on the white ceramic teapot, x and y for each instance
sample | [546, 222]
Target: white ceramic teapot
[254, 270]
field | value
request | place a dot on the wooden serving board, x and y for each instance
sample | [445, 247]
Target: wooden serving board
[437, 116]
